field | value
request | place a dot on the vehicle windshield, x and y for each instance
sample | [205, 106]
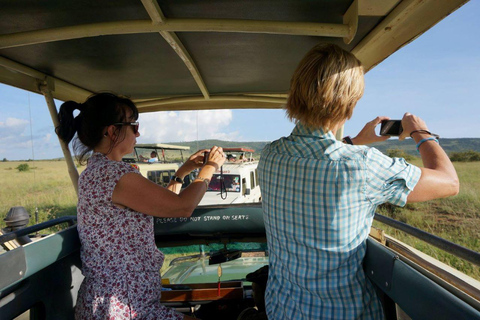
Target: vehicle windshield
[159, 154]
[190, 264]
[231, 181]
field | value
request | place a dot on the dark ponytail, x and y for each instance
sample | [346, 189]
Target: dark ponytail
[68, 123]
[99, 111]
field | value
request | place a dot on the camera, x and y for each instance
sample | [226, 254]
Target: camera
[391, 128]
[205, 157]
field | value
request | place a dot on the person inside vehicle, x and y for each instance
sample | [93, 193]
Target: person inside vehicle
[153, 158]
[319, 195]
[116, 206]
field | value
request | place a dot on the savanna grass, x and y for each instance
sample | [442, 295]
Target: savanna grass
[45, 187]
[456, 219]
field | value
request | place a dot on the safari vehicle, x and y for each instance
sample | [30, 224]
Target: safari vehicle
[194, 55]
[237, 180]
[162, 166]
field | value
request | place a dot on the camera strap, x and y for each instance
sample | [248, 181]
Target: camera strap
[223, 189]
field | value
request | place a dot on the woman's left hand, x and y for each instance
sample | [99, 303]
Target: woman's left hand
[367, 135]
[194, 161]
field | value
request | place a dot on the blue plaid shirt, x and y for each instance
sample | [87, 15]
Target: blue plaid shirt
[319, 197]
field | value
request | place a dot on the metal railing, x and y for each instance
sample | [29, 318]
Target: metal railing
[445, 245]
[71, 220]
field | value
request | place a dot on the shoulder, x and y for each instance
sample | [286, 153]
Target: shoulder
[106, 167]
[383, 166]
[123, 167]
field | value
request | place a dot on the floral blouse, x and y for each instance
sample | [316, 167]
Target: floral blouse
[120, 261]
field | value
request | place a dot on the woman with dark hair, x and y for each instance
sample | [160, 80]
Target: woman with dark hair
[116, 206]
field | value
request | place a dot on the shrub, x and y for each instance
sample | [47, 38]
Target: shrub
[4, 160]
[399, 153]
[23, 167]
[465, 156]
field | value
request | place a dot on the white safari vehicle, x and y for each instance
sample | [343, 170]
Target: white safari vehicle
[236, 181]
[158, 162]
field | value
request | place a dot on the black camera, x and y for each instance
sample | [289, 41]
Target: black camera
[391, 128]
[206, 154]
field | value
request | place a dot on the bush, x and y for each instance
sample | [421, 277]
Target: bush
[23, 167]
[399, 153]
[466, 156]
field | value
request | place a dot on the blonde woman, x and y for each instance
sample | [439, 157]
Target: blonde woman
[319, 195]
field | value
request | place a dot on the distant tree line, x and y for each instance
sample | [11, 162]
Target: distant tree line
[466, 156]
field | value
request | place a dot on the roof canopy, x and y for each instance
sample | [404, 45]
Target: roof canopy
[187, 55]
[161, 146]
[242, 149]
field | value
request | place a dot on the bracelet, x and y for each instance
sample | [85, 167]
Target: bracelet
[177, 179]
[207, 181]
[424, 131]
[424, 140]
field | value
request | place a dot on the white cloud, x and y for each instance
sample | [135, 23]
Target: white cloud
[16, 141]
[182, 126]
[12, 127]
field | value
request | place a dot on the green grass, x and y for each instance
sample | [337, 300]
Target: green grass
[47, 186]
[456, 219]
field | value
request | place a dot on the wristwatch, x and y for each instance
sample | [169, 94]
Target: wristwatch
[347, 140]
[176, 179]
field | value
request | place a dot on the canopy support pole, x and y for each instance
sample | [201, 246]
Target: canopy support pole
[46, 88]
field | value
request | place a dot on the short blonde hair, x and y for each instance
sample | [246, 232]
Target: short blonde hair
[325, 87]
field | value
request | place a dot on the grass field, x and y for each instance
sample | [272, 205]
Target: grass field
[456, 219]
[47, 186]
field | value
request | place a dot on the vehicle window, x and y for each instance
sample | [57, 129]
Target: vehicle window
[244, 185]
[161, 177]
[193, 252]
[252, 179]
[162, 155]
[232, 183]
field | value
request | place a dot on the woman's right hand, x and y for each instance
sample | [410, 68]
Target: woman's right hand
[216, 157]
[411, 123]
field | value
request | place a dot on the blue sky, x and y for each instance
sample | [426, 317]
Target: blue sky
[437, 77]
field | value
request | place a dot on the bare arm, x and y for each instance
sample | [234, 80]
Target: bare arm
[194, 161]
[142, 195]
[439, 178]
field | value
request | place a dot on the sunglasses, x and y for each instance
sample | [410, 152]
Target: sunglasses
[134, 125]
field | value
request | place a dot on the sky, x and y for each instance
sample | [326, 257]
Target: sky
[436, 77]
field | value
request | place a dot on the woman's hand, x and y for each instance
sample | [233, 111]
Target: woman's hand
[216, 157]
[410, 123]
[367, 135]
[193, 162]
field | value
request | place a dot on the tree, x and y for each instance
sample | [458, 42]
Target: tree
[466, 156]
[23, 167]
[399, 153]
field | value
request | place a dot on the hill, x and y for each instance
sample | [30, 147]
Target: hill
[449, 145]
